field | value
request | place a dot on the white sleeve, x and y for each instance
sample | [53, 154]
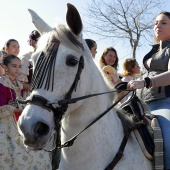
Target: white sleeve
[25, 63]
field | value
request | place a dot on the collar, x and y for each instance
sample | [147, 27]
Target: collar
[5, 80]
[164, 44]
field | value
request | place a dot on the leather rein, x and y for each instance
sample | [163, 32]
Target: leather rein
[62, 106]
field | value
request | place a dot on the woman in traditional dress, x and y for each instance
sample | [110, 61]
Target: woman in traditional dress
[13, 154]
[27, 68]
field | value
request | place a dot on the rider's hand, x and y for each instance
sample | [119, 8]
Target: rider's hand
[136, 84]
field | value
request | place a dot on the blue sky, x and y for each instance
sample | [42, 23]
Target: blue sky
[16, 23]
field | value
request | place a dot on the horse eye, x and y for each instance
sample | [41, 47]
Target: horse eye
[71, 60]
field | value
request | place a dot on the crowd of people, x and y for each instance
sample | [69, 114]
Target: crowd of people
[152, 84]
[13, 154]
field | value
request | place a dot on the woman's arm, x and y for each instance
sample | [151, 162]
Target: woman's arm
[26, 86]
[162, 79]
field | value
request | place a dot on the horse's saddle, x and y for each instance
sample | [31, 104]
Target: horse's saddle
[135, 110]
[146, 135]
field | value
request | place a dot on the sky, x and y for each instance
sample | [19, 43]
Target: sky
[16, 23]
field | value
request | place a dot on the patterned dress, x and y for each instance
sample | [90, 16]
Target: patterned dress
[13, 155]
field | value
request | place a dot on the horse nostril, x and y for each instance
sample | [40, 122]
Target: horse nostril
[41, 129]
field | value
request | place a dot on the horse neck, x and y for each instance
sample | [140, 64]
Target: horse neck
[89, 110]
[91, 144]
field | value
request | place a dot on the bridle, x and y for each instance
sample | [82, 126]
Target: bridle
[62, 106]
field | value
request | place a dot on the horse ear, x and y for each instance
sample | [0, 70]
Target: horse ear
[73, 19]
[39, 23]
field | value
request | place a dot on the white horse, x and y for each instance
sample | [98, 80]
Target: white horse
[96, 147]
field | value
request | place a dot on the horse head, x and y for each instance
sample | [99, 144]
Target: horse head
[63, 68]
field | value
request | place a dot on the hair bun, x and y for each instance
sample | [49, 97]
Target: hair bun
[35, 35]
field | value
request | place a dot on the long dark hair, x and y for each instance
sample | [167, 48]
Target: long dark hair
[34, 35]
[91, 43]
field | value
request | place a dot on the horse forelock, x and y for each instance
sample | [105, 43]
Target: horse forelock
[66, 37]
[60, 34]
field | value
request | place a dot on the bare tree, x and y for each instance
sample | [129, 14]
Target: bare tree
[128, 20]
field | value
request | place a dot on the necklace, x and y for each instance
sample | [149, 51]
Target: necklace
[14, 82]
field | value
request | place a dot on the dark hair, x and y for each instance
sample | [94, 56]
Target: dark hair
[9, 58]
[35, 35]
[165, 13]
[102, 60]
[90, 43]
[9, 42]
